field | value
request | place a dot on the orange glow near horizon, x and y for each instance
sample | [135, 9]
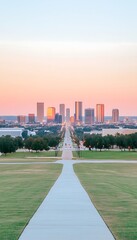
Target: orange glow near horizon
[64, 74]
[51, 114]
[100, 113]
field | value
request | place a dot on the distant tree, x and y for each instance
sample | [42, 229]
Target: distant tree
[79, 133]
[45, 144]
[53, 142]
[99, 142]
[41, 133]
[76, 140]
[41, 143]
[25, 134]
[28, 143]
[37, 144]
[132, 141]
[19, 142]
[7, 145]
[112, 140]
[121, 141]
[134, 138]
[89, 141]
[106, 142]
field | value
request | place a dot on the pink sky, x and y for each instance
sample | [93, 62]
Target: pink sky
[64, 73]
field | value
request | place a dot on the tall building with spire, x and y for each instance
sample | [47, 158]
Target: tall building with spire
[100, 113]
[40, 112]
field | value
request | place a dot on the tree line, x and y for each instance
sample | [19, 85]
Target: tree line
[9, 144]
[109, 142]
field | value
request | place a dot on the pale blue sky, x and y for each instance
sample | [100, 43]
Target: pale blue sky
[73, 20]
[90, 45]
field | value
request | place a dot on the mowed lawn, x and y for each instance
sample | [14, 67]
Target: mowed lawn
[125, 155]
[27, 156]
[22, 190]
[113, 190]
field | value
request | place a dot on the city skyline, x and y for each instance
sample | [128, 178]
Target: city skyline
[58, 51]
[41, 110]
[88, 116]
[78, 112]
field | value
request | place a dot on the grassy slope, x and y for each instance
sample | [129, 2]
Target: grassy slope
[23, 188]
[113, 190]
[107, 155]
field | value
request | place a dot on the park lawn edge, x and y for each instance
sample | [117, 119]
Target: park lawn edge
[117, 223]
[105, 155]
[41, 195]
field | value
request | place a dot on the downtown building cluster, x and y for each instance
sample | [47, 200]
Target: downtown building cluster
[90, 116]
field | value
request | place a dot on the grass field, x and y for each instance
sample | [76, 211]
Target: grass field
[22, 189]
[18, 155]
[106, 155]
[113, 190]
[27, 160]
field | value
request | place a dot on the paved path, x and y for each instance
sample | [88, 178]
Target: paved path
[72, 162]
[67, 212]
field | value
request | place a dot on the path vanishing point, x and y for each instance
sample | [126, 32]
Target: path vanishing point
[67, 212]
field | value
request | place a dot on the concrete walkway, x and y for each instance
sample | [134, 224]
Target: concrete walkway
[67, 212]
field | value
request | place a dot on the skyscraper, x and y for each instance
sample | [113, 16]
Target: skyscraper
[89, 116]
[40, 112]
[21, 119]
[31, 118]
[100, 113]
[62, 111]
[58, 118]
[51, 114]
[115, 115]
[78, 112]
[67, 114]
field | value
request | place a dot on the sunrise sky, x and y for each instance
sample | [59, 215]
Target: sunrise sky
[63, 51]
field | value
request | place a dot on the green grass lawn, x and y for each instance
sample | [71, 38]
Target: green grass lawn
[26, 160]
[22, 189]
[49, 154]
[113, 190]
[106, 155]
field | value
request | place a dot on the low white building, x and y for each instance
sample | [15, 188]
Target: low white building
[13, 132]
[31, 133]
[114, 131]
